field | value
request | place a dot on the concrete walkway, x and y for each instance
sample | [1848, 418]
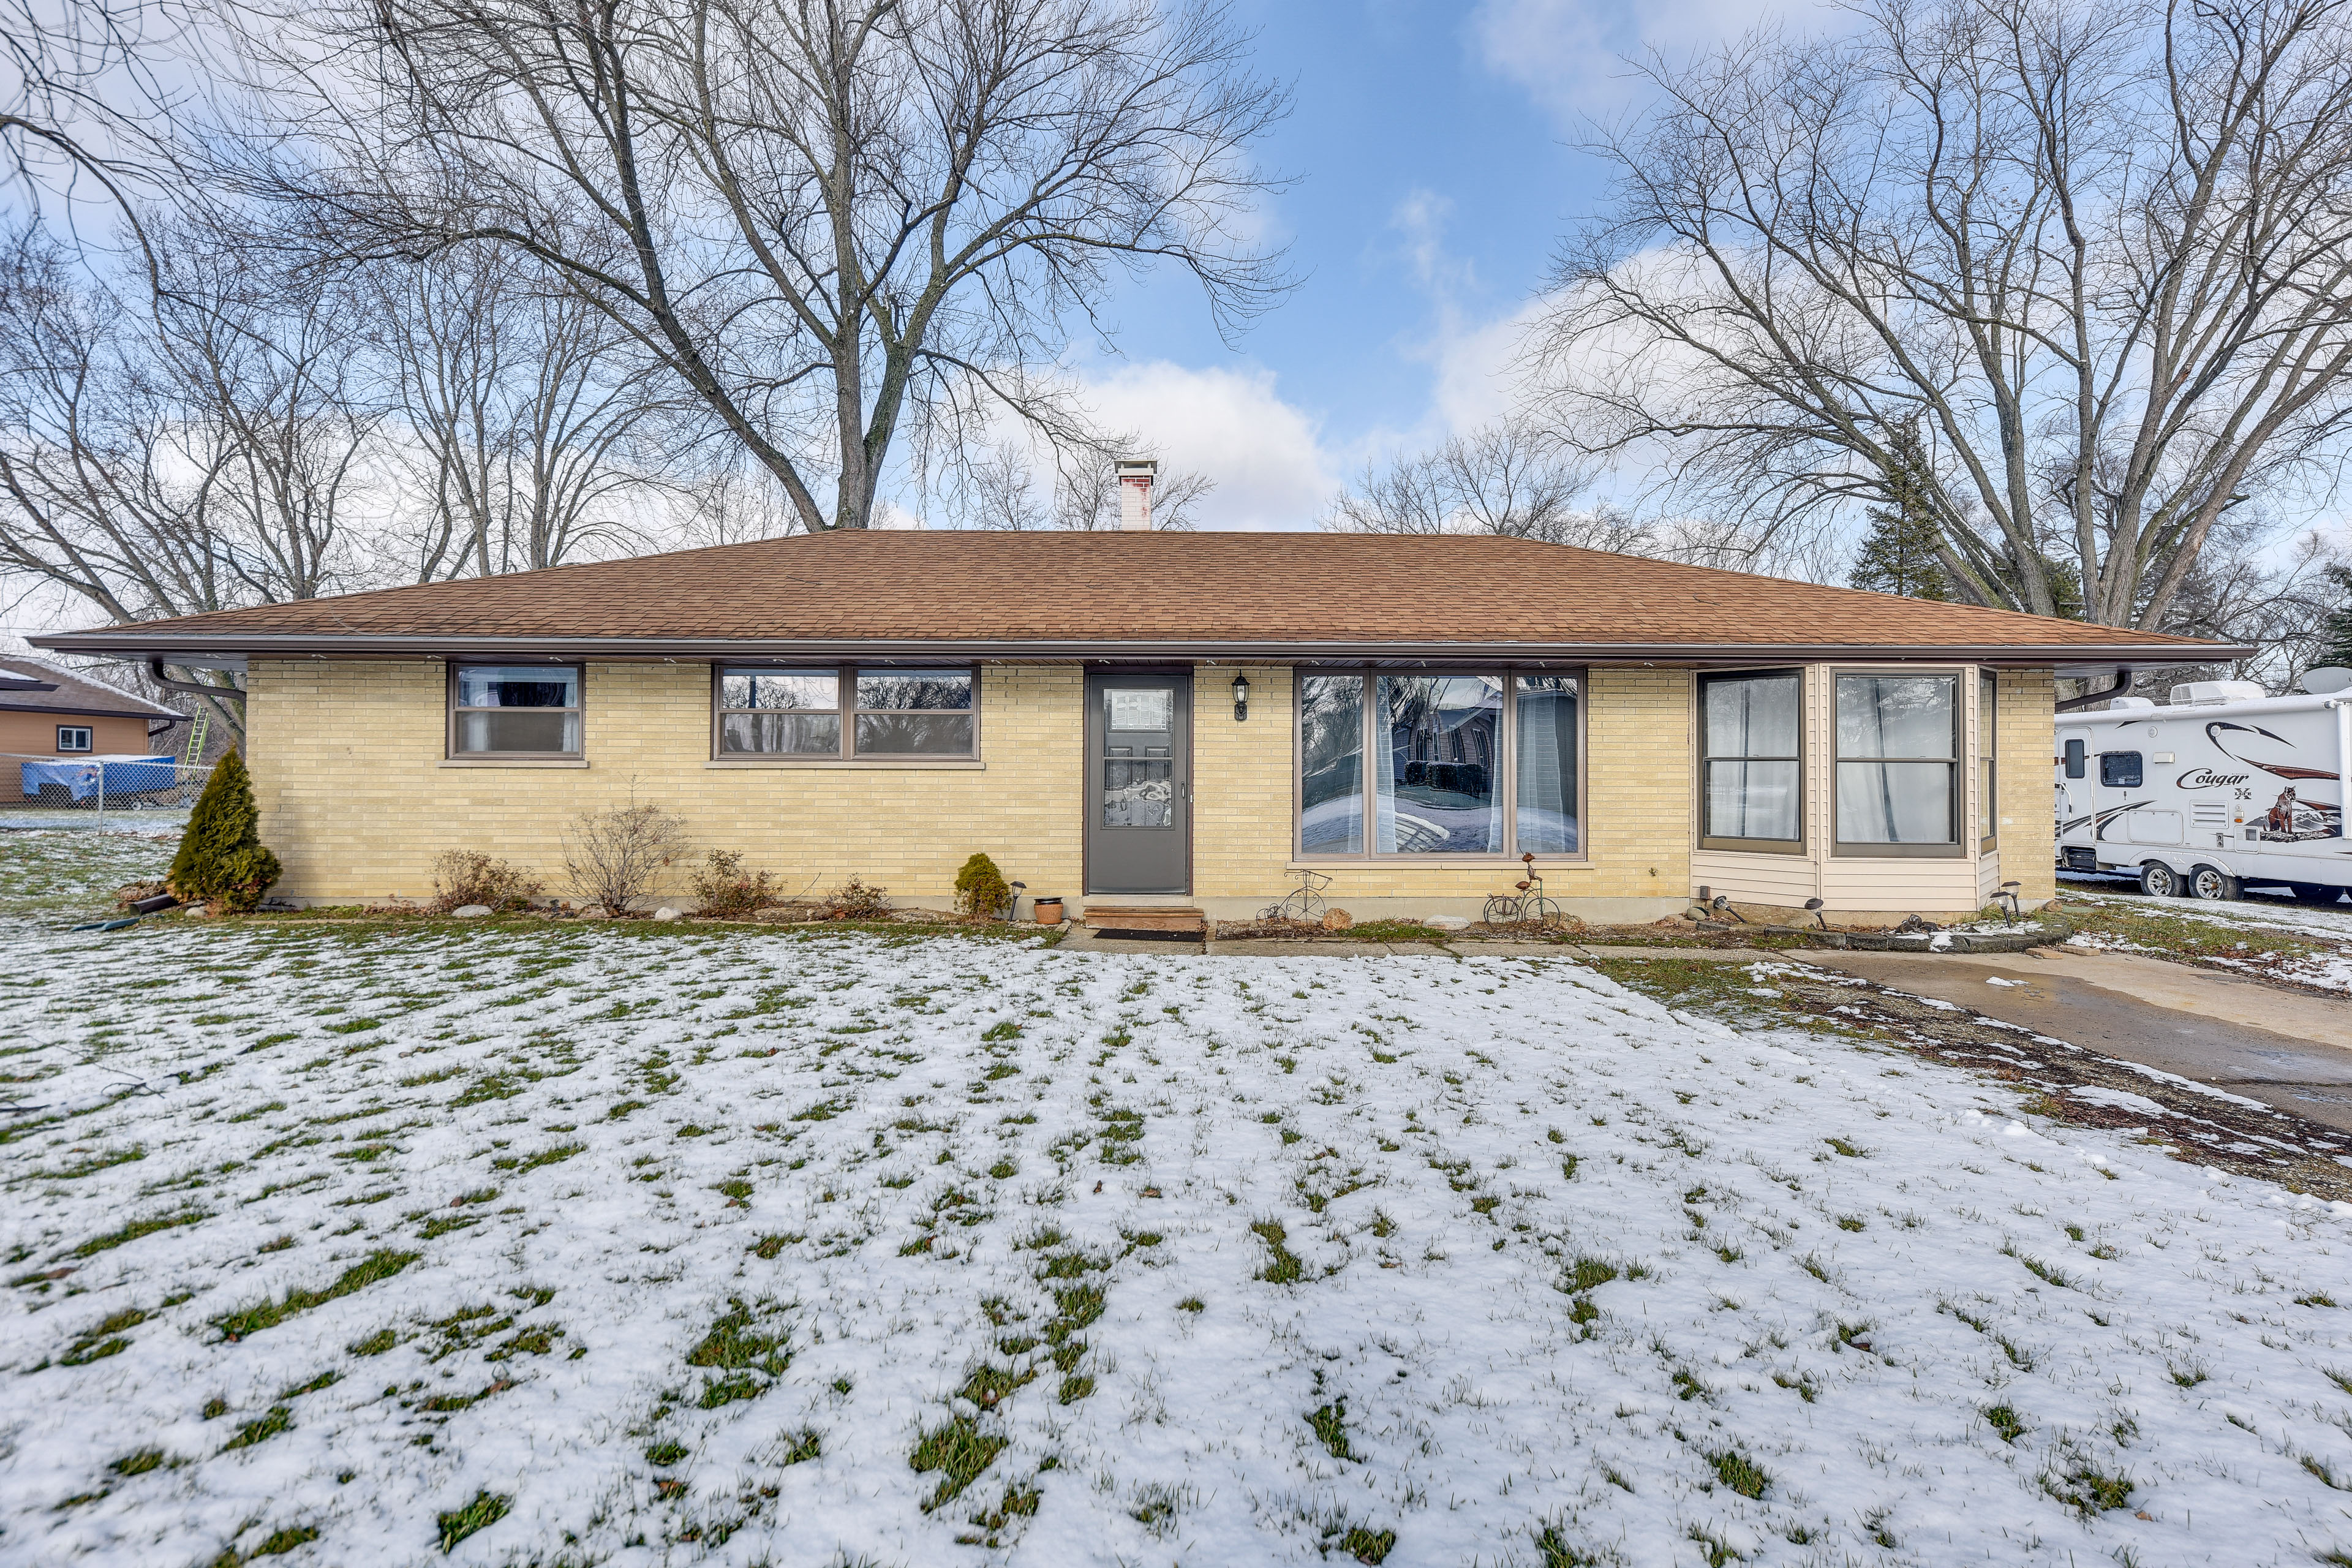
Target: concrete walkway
[2286, 1050]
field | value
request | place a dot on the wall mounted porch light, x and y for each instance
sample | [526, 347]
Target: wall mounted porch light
[1241, 699]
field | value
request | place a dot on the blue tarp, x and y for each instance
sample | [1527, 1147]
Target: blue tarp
[81, 776]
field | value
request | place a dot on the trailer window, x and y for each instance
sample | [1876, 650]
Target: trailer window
[2076, 765]
[2119, 770]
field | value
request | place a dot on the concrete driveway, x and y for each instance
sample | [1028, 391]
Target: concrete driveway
[2288, 1050]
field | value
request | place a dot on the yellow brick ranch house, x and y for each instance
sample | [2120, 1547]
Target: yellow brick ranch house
[1171, 719]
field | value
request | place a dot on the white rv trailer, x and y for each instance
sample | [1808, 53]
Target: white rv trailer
[2222, 786]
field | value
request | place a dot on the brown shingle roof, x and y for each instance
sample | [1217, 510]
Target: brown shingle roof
[68, 694]
[1270, 592]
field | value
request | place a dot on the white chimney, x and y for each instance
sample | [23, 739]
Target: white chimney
[1135, 477]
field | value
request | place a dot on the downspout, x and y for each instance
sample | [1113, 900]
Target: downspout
[192, 688]
[2122, 685]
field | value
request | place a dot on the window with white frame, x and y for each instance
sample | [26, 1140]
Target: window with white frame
[1752, 766]
[1486, 762]
[832, 714]
[1898, 759]
[529, 711]
[75, 738]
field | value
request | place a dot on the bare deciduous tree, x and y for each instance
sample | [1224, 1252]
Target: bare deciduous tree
[1508, 478]
[997, 488]
[832, 220]
[197, 451]
[531, 428]
[81, 91]
[2097, 256]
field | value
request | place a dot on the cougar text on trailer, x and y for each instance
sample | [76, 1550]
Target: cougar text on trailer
[2223, 786]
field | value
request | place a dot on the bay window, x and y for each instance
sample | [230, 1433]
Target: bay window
[1898, 757]
[1482, 763]
[1752, 769]
[826, 714]
[528, 711]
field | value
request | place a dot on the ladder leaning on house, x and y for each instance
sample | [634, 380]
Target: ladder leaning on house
[197, 732]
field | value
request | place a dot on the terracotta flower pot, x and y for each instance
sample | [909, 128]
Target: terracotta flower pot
[1048, 912]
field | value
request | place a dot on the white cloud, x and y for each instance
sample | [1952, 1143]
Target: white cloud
[1569, 55]
[1266, 456]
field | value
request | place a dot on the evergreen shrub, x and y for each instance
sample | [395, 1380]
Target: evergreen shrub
[222, 863]
[981, 888]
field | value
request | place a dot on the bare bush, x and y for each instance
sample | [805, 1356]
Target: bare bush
[613, 856]
[727, 892]
[463, 877]
[856, 901]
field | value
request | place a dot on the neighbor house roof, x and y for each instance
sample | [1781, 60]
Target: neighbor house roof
[915, 594]
[34, 686]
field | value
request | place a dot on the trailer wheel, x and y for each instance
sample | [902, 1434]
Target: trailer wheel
[2212, 882]
[2158, 881]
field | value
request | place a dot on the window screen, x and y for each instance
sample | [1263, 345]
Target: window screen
[778, 712]
[914, 712]
[515, 710]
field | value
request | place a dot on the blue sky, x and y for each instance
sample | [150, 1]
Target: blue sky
[1432, 143]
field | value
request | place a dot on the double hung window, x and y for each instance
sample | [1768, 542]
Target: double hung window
[1898, 758]
[514, 710]
[1752, 778]
[1478, 763]
[831, 714]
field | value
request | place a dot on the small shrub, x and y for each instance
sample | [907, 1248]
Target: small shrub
[855, 901]
[981, 888]
[462, 877]
[613, 856]
[222, 863]
[727, 892]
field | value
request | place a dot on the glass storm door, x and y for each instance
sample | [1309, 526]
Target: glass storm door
[1139, 783]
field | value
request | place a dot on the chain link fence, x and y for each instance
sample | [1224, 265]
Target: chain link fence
[97, 791]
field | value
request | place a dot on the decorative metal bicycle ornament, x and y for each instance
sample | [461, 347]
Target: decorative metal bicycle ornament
[1528, 905]
[1304, 902]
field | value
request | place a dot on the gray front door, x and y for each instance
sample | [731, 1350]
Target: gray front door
[1139, 783]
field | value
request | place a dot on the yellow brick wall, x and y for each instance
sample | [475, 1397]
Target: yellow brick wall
[346, 758]
[2028, 738]
[347, 764]
[1241, 785]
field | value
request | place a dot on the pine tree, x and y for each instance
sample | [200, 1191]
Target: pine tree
[2335, 631]
[222, 861]
[1898, 554]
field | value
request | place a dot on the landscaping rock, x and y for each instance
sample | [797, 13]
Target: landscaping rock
[472, 911]
[1337, 919]
[667, 913]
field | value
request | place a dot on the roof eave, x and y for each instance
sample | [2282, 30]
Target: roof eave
[229, 650]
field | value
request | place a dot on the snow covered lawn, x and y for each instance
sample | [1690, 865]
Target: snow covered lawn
[571, 1245]
[2306, 945]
